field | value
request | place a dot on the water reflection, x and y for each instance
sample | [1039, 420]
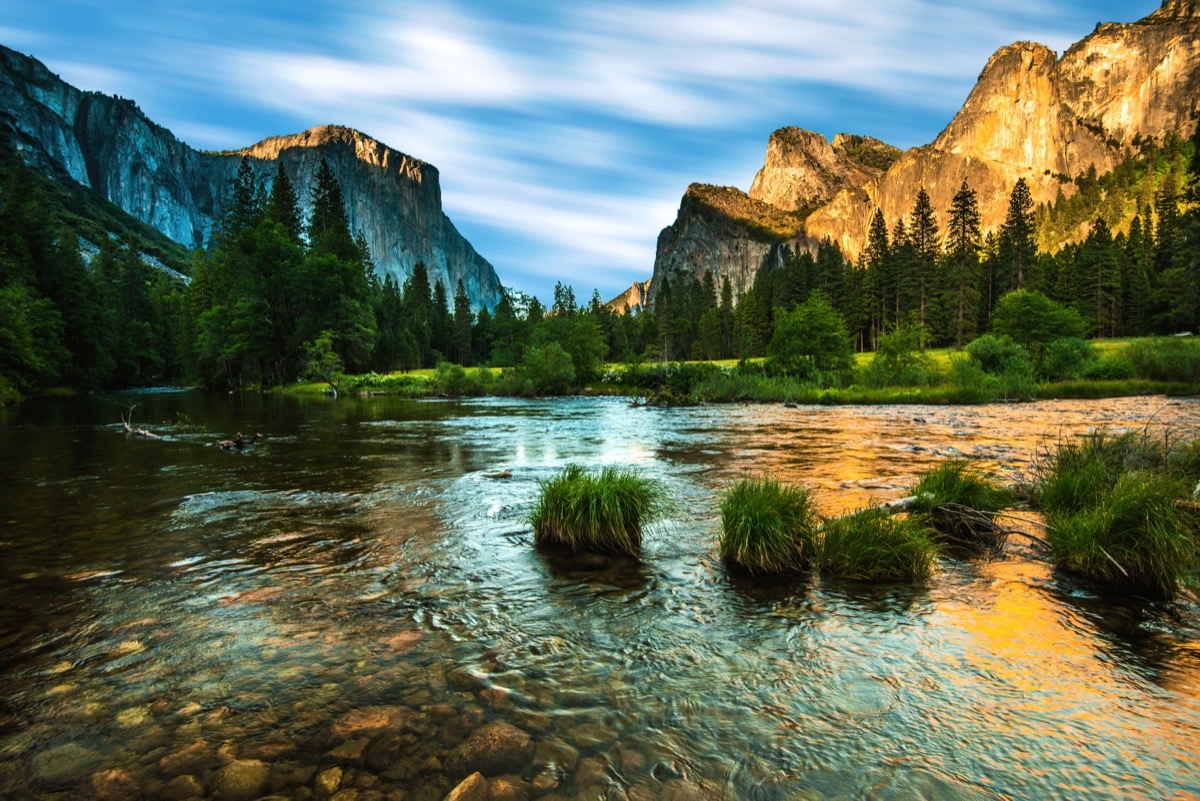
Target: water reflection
[171, 608]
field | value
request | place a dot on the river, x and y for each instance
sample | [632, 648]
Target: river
[172, 609]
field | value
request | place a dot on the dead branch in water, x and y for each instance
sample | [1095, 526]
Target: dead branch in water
[127, 424]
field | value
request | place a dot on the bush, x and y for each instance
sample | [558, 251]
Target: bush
[1166, 359]
[999, 354]
[1033, 321]
[547, 370]
[452, 380]
[767, 527]
[872, 545]
[1067, 359]
[900, 361]
[811, 342]
[1110, 367]
[596, 511]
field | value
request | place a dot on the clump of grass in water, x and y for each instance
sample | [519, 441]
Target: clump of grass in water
[767, 527]
[872, 545]
[1117, 511]
[596, 512]
[956, 499]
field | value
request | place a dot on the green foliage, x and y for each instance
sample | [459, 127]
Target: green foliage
[1166, 359]
[767, 527]
[1033, 321]
[900, 360]
[999, 354]
[323, 363]
[548, 370]
[1066, 359]
[811, 342]
[1117, 512]
[960, 482]
[596, 511]
[871, 545]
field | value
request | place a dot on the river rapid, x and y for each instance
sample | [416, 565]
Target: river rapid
[339, 609]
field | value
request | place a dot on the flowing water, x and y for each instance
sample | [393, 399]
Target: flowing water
[171, 608]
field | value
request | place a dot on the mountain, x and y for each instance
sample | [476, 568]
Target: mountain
[108, 144]
[1031, 115]
[631, 299]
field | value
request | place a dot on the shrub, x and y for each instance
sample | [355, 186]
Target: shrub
[767, 527]
[901, 361]
[592, 512]
[1166, 359]
[1110, 367]
[811, 341]
[998, 354]
[1033, 321]
[548, 369]
[872, 545]
[1067, 359]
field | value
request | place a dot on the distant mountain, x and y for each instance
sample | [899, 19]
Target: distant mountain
[1031, 115]
[108, 144]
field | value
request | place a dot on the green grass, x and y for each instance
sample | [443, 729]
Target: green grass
[949, 494]
[872, 545]
[1118, 510]
[596, 511]
[766, 526]
[1136, 536]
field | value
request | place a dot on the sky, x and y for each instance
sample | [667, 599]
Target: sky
[565, 133]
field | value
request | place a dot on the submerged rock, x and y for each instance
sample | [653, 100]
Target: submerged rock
[240, 780]
[508, 788]
[370, 722]
[472, 788]
[116, 785]
[492, 749]
[64, 765]
[182, 788]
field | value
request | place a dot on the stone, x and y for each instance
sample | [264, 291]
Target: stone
[328, 782]
[492, 749]
[370, 722]
[472, 788]
[496, 697]
[191, 759]
[593, 770]
[507, 788]
[631, 761]
[555, 754]
[544, 783]
[240, 780]
[462, 678]
[116, 785]
[64, 765]
[593, 735]
[182, 788]
[698, 790]
[352, 751]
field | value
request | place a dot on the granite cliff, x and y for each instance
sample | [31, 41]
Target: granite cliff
[108, 144]
[1030, 115]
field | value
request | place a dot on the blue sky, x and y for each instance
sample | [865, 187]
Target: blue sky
[565, 133]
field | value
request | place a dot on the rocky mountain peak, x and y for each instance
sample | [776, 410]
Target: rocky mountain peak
[802, 169]
[1177, 9]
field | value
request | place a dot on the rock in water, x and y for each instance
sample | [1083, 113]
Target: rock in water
[64, 765]
[492, 749]
[472, 788]
[240, 780]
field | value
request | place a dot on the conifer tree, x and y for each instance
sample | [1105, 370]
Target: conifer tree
[282, 207]
[464, 321]
[962, 262]
[1018, 241]
[925, 242]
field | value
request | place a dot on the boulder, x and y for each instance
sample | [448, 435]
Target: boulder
[240, 780]
[492, 749]
[64, 765]
[472, 788]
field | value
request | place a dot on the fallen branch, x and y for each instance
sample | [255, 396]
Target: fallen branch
[127, 424]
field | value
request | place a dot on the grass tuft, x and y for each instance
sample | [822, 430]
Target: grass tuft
[956, 498]
[872, 545]
[596, 511]
[1137, 536]
[767, 527]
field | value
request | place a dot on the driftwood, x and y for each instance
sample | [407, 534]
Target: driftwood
[239, 442]
[961, 524]
[499, 474]
[127, 424]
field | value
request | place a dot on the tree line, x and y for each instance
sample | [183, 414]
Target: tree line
[275, 297]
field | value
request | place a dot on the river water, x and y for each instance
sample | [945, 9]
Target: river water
[171, 608]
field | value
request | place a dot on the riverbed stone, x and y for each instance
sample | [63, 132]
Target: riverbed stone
[461, 678]
[328, 782]
[384, 751]
[593, 735]
[698, 790]
[631, 761]
[182, 788]
[543, 783]
[472, 788]
[64, 765]
[116, 785]
[496, 697]
[592, 770]
[351, 751]
[492, 749]
[556, 754]
[370, 722]
[240, 780]
[508, 788]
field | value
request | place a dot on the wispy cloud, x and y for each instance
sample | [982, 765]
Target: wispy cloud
[565, 133]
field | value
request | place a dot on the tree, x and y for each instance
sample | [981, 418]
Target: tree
[463, 323]
[1018, 241]
[962, 261]
[564, 299]
[878, 262]
[925, 242]
[282, 207]
[1034, 321]
[811, 342]
[323, 362]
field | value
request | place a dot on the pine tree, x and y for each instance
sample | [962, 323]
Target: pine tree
[464, 321]
[726, 313]
[1018, 241]
[925, 242]
[962, 262]
[878, 263]
[282, 207]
